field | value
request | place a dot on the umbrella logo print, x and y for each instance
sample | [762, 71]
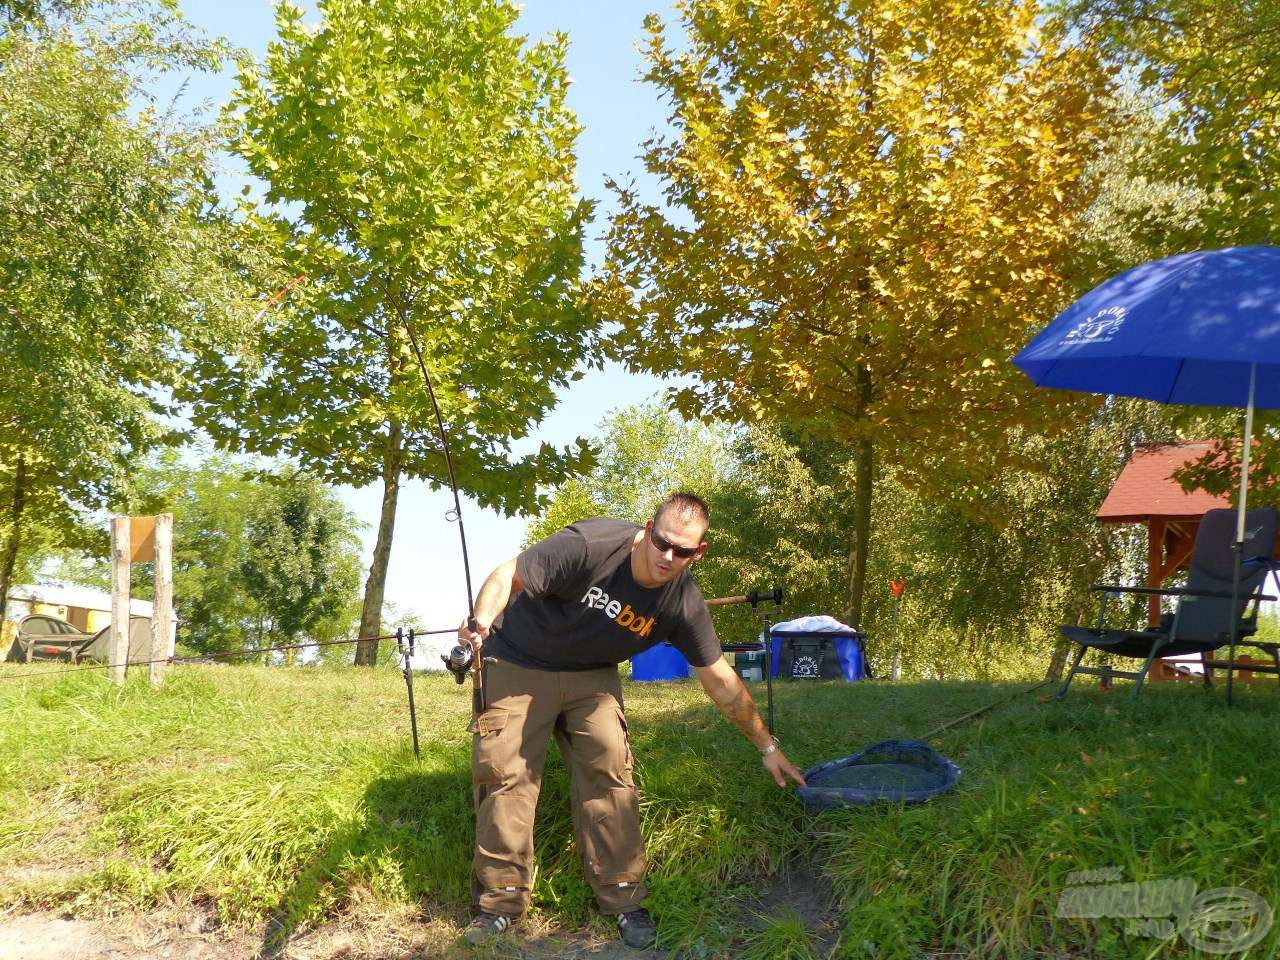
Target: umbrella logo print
[1101, 327]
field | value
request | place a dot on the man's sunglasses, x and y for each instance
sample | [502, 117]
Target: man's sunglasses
[663, 545]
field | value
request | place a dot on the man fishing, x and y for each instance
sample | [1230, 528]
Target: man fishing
[585, 599]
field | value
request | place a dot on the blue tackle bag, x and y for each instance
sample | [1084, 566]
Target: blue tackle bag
[817, 648]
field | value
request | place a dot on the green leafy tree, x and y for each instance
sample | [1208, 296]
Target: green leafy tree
[301, 558]
[425, 155]
[19, 14]
[1138, 213]
[867, 208]
[113, 262]
[985, 595]
[1214, 66]
[210, 502]
[259, 557]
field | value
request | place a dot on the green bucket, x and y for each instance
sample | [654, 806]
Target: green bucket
[749, 666]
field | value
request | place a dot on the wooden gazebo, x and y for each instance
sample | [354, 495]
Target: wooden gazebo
[1145, 492]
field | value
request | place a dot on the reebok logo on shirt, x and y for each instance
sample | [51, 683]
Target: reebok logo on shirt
[623, 616]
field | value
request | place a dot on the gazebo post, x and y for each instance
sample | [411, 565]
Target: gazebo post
[1155, 566]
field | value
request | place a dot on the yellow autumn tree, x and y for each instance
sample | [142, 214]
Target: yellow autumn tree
[867, 207]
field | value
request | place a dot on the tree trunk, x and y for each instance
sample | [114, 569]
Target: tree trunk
[864, 476]
[863, 473]
[1062, 649]
[10, 559]
[1058, 662]
[375, 586]
[864, 462]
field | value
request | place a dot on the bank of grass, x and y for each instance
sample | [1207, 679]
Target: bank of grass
[280, 797]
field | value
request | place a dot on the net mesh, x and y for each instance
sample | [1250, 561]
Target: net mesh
[886, 776]
[908, 771]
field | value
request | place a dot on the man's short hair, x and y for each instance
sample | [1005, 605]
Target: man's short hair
[687, 506]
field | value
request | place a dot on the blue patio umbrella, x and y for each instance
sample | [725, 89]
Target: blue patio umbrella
[1199, 328]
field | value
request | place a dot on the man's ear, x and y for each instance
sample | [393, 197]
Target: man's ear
[702, 548]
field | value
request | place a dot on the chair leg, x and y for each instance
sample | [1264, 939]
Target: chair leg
[1142, 676]
[1207, 670]
[1075, 665]
[1231, 659]
[1146, 667]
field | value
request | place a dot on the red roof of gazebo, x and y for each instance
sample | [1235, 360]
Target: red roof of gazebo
[1145, 489]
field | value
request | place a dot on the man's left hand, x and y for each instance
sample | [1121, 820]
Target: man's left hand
[780, 768]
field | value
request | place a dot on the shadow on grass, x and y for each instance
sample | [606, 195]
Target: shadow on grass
[1049, 788]
[412, 841]
[712, 817]
[413, 835]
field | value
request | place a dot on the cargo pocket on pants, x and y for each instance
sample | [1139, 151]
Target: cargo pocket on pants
[614, 844]
[628, 762]
[488, 750]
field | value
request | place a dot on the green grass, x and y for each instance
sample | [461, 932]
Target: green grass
[282, 797]
[780, 938]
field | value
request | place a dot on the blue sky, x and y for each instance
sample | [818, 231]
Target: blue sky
[617, 113]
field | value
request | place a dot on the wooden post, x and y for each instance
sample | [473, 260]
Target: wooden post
[1155, 563]
[162, 607]
[118, 646]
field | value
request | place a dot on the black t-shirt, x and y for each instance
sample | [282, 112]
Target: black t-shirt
[581, 608]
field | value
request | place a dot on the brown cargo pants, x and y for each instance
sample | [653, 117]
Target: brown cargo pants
[583, 709]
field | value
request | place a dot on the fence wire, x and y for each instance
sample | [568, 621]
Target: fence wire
[228, 654]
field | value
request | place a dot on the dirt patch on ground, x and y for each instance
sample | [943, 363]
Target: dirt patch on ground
[192, 932]
[49, 937]
[599, 942]
[45, 936]
[801, 893]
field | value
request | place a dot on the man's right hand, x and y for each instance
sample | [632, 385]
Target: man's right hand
[476, 637]
[782, 769]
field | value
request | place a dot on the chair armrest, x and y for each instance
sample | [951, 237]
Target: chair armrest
[1177, 592]
[1153, 591]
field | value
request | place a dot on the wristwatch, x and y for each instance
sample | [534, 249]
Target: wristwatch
[771, 748]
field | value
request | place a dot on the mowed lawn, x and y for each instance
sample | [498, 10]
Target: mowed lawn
[282, 796]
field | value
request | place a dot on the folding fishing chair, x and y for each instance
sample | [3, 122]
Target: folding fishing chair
[1202, 621]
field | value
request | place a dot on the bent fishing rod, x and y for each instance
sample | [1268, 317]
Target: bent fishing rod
[404, 644]
[457, 662]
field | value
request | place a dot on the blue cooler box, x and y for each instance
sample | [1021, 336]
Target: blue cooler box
[661, 662]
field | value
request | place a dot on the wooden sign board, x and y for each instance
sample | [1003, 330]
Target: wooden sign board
[142, 539]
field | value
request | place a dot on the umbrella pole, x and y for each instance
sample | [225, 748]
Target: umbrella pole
[1240, 511]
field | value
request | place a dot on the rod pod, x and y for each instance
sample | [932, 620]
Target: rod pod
[766, 643]
[406, 654]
